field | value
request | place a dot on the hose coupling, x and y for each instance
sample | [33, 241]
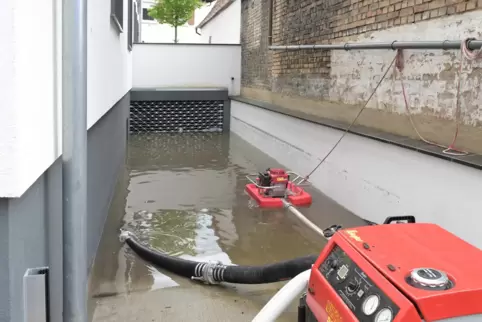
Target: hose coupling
[330, 231]
[124, 235]
[210, 273]
[286, 203]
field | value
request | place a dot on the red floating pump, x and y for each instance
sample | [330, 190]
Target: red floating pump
[410, 272]
[270, 188]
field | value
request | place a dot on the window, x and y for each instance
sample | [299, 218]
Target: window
[117, 13]
[145, 15]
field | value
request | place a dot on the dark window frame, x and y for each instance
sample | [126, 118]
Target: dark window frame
[117, 13]
[130, 15]
[145, 15]
[137, 23]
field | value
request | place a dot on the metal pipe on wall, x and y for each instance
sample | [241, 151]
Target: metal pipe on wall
[472, 44]
[74, 159]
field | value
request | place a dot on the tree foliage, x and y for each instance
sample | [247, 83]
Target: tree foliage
[174, 12]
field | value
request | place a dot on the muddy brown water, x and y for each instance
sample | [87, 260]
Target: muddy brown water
[184, 195]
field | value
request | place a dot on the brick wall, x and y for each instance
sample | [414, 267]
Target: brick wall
[332, 84]
[306, 73]
[256, 66]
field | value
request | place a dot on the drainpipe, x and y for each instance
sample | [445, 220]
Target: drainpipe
[197, 31]
[270, 23]
[74, 159]
[472, 44]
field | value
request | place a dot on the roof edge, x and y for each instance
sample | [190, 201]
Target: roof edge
[209, 19]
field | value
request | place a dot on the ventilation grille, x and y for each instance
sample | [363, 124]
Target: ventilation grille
[176, 116]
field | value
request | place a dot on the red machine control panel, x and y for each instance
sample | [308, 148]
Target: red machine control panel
[396, 273]
[357, 290]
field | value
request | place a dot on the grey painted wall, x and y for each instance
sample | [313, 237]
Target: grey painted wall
[31, 226]
[107, 144]
[4, 276]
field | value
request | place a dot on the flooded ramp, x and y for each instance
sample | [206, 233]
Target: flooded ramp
[184, 195]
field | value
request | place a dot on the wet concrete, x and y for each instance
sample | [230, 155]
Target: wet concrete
[184, 195]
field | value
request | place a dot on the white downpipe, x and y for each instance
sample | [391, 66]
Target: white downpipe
[282, 300]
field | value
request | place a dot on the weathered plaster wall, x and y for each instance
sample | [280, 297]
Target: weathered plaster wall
[430, 77]
[333, 84]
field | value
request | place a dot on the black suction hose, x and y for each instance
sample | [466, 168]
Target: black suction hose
[214, 273]
[268, 273]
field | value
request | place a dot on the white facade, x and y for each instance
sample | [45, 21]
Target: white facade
[225, 27]
[30, 83]
[153, 32]
[178, 65]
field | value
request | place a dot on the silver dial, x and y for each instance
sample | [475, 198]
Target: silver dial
[370, 305]
[429, 277]
[385, 315]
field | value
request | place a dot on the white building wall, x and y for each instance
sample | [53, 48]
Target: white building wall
[225, 28]
[178, 65]
[153, 32]
[8, 137]
[30, 79]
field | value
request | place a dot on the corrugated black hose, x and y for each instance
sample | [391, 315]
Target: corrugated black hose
[215, 272]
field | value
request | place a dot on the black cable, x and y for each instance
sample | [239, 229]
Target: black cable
[353, 122]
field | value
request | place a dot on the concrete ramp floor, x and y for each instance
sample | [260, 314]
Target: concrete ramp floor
[199, 303]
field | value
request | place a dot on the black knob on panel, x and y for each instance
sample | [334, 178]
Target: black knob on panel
[352, 286]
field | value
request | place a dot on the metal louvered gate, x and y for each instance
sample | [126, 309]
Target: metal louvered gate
[179, 110]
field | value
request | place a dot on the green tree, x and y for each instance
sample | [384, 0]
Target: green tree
[174, 12]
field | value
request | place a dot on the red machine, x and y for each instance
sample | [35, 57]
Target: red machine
[271, 187]
[395, 273]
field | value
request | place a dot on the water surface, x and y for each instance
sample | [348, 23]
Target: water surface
[184, 195]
